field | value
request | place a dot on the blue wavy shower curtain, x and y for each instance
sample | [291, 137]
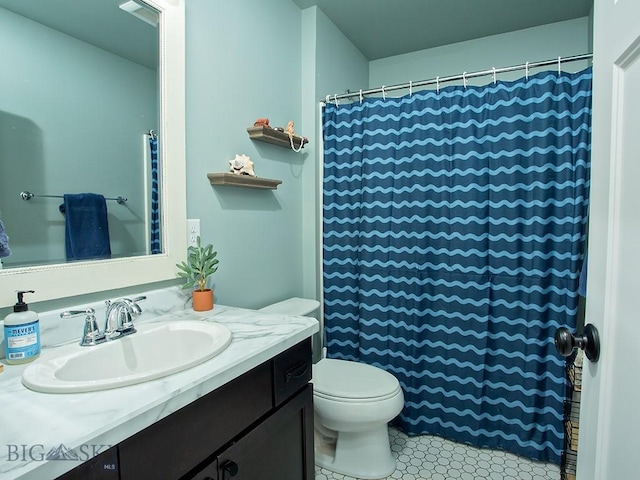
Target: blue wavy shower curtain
[155, 194]
[454, 226]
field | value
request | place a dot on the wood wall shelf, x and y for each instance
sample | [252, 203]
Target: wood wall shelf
[247, 181]
[275, 137]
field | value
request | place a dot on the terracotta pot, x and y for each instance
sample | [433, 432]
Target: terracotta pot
[203, 300]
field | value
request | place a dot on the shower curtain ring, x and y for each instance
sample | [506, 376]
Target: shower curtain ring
[360, 95]
[410, 88]
[559, 68]
[494, 75]
[384, 95]
[335, 99]
[437, 84]
[526, 71]
[464, 79]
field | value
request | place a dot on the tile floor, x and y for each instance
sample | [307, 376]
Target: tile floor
[434, 458]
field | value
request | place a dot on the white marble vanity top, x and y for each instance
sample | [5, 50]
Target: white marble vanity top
[33, 424]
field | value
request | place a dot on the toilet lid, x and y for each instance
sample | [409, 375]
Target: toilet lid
[352, 380]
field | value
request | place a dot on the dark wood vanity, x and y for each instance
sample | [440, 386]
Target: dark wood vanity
[257, 426]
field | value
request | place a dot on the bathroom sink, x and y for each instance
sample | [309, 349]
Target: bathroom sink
[156, 350]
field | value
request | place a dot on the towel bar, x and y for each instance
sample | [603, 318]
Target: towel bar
[28, 196]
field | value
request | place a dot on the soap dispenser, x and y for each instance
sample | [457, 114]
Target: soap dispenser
[21, 333]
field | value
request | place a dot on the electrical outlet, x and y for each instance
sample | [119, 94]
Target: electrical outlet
[193, 231]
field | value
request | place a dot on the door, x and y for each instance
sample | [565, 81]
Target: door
[609, 413]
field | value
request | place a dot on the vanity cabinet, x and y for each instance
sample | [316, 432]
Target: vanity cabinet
[259, 425]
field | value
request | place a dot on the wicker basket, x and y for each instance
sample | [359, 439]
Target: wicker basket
[572, 430]
[569, 460]
[575, 372]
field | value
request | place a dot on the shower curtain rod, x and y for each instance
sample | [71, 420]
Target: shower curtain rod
[464, 77]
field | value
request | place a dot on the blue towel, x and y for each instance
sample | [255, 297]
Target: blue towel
[582, 281]
[4, 242]
[86, 227]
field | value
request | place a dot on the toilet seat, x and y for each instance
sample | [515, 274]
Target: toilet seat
[347, 381]
[357, 400]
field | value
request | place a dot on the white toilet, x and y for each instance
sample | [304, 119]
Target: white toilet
[353, 402]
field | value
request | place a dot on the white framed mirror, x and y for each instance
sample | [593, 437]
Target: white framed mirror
[65, 279]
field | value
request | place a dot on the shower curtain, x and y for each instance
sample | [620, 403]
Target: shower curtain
[453, 234]
[155, 203]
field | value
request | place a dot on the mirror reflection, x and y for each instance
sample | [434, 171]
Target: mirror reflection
[79, 108]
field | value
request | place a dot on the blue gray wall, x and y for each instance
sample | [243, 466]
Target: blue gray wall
[513, 48]
[246, 60]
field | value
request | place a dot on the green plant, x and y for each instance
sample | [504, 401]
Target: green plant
[201, 263]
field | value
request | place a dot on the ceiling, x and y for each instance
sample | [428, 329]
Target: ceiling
[378, 28]
[384, 28]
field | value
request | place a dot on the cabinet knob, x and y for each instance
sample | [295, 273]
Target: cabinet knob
[229, 469]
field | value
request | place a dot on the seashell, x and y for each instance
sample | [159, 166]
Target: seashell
[242, 165]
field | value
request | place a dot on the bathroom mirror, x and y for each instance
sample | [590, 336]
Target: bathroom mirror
[62, 279]
[83, 78]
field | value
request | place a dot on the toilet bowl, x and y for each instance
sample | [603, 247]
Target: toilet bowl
[353, 402]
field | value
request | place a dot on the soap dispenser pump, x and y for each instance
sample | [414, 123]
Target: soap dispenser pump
[21, 333]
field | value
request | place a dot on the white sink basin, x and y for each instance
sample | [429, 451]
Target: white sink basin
[156, 350]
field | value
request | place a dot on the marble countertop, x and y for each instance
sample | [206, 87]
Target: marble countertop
[33, 424]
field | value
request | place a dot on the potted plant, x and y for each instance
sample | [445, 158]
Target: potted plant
[201, 263]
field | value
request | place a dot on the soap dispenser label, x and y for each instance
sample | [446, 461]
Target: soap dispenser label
[22, 341]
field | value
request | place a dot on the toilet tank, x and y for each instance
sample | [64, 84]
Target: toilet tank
[292, 306]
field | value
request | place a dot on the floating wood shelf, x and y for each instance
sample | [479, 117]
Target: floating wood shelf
[242, 181]
[275, 137]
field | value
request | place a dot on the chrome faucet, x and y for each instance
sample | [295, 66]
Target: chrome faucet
[118, 321]
[120, 315]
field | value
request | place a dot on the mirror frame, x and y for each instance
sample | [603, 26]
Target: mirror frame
[71, 279]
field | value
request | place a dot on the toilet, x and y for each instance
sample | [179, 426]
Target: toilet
[353, 403]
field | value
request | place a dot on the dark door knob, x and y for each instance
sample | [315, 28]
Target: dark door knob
[566, 342]
[229, 469]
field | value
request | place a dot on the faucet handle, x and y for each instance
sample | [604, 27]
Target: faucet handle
[74, 313]
[91, 334]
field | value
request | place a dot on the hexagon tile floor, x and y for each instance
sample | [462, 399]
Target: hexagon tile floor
[434, 458]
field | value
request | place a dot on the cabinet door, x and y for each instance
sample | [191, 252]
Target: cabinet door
[174, 446]
[279, 448]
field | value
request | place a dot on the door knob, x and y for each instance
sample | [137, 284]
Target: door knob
[566, 342]
[229, 469]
